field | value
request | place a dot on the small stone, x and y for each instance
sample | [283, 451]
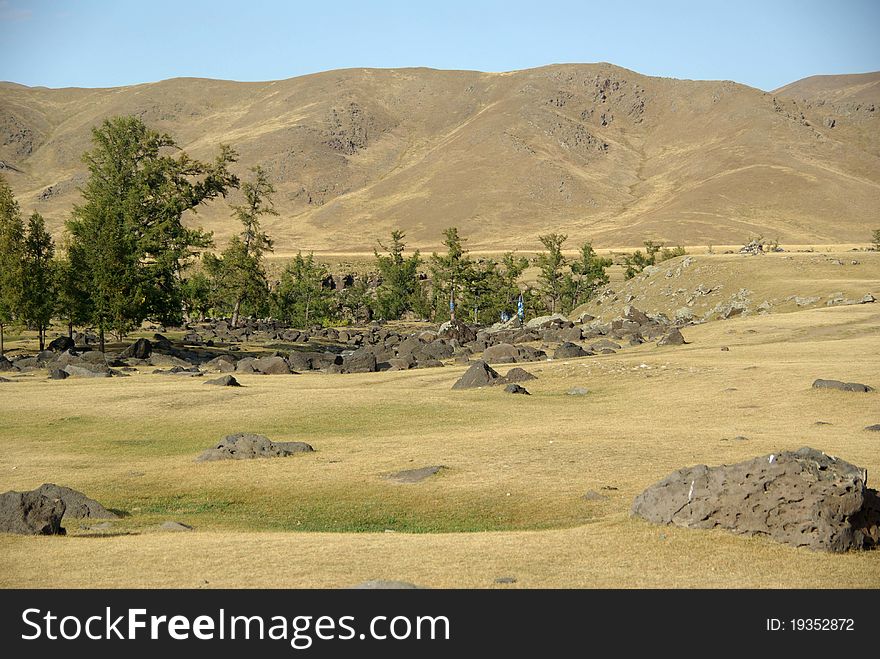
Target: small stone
[578, 391]
[175, 526]
[516, 389]
[505, 580]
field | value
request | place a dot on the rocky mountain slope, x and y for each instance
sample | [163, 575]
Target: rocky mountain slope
[591, 150]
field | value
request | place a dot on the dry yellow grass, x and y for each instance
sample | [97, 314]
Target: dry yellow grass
[517, 467]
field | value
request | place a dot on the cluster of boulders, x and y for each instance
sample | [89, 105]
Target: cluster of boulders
[351, 350]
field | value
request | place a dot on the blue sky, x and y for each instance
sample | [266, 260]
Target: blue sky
[98, 43]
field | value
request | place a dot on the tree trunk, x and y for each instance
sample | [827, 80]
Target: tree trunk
[70, 331]
[235, 312]
[42, 334]
[101, 338]
[1, 339]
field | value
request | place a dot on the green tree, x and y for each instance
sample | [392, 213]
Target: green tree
[127, 239]
[72, 302]
[637, 261]
[587, 275]
[400, 289]
[552, 263]
[38, 280]
[197, 294]
[11, 237]
[238, 281]
[450, 273]
[301, 297]
[248, 256]
[357, 302]
[492, 288]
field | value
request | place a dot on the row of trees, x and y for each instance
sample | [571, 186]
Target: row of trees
[127, 256]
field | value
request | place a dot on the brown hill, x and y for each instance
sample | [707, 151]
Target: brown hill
[593, 150]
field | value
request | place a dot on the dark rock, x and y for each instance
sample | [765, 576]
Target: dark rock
[517, 374]
[874, 428]
[842, 386]
[30, 513]
[225, 381]
[439, 349]
[174, 526]
[516, 389]
[87, 370]
[61, 344]
[58, 374]
[243, 446]
[456, 329]
[501, 353]
[5, 364]
[5, 380]
[93, 357]
[222, 363]
[569, 350]
[505, 580]
[604, 344]
[802, 498]
[246, 365]
[162, 343]
[416, 475]
[360, 361]
[571, 334]
[140, 349]
[271, 366]
[672, 338]
[77, 505]
[480, 374]
[401, 364]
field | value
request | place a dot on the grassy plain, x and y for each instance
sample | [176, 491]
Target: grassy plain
[510, 501]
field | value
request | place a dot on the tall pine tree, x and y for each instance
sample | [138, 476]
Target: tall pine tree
[239, 273]
[38, 280]
[127, 240]
[11, 235]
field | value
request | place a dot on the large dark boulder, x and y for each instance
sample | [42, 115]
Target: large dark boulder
[140, 349]
[803, 498]
[841, 386]
[225, 381]
[360, 361]
[244, 446]
[88, 370]
[437, 349]
[30, 513]
[516, 389]
[501, 353]
[672, 338]
[271, 366]
[456, 329]
[5, 364]
[480, 374]
[76, 504]
[61, 344]
[162, 343]
[569, 350]
[517, 374]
